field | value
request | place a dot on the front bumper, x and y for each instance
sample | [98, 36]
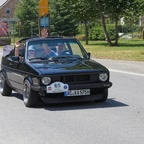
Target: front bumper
[96, 93]
[78, 86]
[63, 99]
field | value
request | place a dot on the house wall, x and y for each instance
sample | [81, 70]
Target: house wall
[7, 9]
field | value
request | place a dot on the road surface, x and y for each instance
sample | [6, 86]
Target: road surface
[120, 120]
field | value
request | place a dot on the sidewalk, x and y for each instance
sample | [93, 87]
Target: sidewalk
[121, 65]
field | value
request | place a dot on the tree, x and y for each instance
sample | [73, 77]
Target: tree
[133, 17]
[85, 11]
[62, 18]
[27, 12]
[114, 10]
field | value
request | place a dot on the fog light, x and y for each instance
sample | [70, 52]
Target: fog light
[35, 81]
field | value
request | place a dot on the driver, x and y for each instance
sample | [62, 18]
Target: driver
[60, 49]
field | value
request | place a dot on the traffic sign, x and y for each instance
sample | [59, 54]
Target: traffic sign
[44, 21]
[43, 7]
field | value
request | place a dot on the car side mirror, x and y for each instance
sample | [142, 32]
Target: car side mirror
[89, 55]
[15, 58]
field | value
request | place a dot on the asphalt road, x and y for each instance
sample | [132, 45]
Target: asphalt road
[130, 67]
[120, 120]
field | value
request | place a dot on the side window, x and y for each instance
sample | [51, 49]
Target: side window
[75, 49]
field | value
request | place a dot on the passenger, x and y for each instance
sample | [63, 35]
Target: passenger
[44, 34]
[31, 52]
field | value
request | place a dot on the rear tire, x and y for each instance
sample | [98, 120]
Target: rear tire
[5, 89]
[30, 97]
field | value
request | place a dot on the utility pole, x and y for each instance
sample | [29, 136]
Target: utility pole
[44, 18]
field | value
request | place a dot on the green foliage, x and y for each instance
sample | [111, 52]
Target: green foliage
[27, 12]
[65, 16]
[85, 10]
[5, 41]
[81, 28]
[128, 28]
[62, 18]
[81, 37]
[97, 32]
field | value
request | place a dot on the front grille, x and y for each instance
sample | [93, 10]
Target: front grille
[76, 79]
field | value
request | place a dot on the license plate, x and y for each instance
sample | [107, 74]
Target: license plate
[81, 92]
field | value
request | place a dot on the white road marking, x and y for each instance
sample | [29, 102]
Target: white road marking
[126, 72]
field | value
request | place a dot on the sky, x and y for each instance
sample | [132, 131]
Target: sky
[2, 2]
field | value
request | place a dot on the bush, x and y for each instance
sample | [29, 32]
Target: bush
[5, 41]
[81, 37]
[97, 32]
[54, 34]
[127, 28]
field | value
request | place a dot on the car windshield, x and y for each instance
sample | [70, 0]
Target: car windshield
[56, 49]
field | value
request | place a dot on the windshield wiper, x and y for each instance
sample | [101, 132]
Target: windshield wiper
[67, 57]
[39, 58]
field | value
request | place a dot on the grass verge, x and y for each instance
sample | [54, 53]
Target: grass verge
[127, 50]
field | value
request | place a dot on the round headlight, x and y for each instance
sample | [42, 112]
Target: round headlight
[46, 80]
[103, 77]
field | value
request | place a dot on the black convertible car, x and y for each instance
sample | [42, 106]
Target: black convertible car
[54, 69]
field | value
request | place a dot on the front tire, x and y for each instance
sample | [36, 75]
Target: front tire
[30, 97]
[5, 89]
[104, 97]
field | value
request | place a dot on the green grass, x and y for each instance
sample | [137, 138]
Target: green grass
[127, 50]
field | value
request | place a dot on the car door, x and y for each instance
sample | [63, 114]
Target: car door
[14, 75]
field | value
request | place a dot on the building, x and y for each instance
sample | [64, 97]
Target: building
[7, 18]
[7, 8]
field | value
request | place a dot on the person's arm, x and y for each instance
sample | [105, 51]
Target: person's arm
[17, 44]
[44, 33]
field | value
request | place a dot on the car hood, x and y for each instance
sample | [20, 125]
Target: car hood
[76, 66]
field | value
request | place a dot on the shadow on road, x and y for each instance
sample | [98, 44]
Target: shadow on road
[110, 103]
[18, 96]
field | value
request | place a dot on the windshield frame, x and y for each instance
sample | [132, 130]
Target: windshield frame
[69, 42]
